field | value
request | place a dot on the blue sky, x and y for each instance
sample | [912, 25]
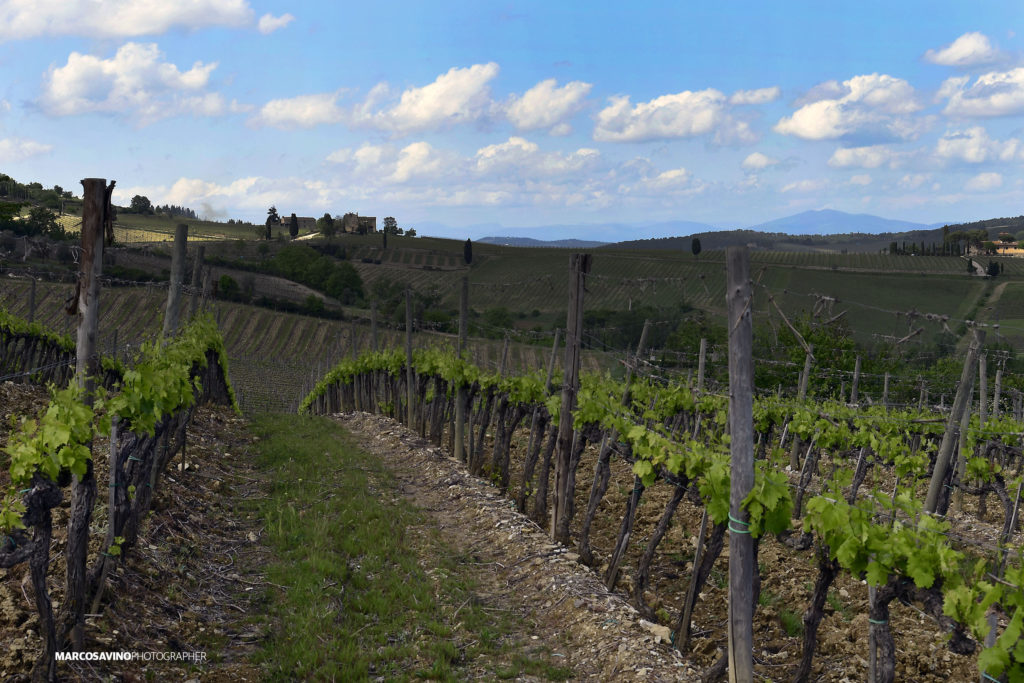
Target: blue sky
[473, 114]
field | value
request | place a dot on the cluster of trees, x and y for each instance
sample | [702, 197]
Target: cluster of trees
[34, 193]
[40, 222]
[140, 204]
[337, 279]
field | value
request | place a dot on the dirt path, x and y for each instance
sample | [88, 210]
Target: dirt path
[563, 603]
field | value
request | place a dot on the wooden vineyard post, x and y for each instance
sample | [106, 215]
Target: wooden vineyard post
[885, 392]
[579, 266]
[856, 381]
[197, 274]
[794, 451]
[997, 393]
[700, 364]
[171, 315]
[410, 388]
[460, 394]
[95, 215]
[982, 389]
[963, 394]
[741, 449]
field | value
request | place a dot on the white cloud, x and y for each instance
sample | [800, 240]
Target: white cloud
[805, 186]
[268, 23]
[303, 111]
[914, 180]
[874, 104]
[871, 156]
[974, 146]
[134, 81]
[545, 105]
[984, 182]
[757, 161]
[459, 96]
[997, 93]
[759, 96]
[417, 159]
[861, 179]
[25, 19]
[680, 115]
[19, 149]
[522, 158]
[970, 49]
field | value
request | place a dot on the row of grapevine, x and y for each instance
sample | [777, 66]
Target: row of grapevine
[673, 434]
[145, 416]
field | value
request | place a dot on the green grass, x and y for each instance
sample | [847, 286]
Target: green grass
[356, 601]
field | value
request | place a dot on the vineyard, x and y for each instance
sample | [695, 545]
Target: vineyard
[871, 515]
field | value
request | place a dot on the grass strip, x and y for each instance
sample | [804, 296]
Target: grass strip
[364, 597]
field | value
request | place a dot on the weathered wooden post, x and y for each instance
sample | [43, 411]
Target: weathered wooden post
[885, 392]
[997, 394]
[794, 451]
[460, 394]
[949, 438]
[579, 266]
[700, 365]
[856, 381]
[95, 215]
[982, 389]
[173, 311]
[741, 448]
[409, 380]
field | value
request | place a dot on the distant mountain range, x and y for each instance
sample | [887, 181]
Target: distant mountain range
[530, 242]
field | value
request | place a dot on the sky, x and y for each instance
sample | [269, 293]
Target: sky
[466, 117]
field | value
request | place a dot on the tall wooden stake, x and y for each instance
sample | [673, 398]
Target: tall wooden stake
[410, 414]
[741, 448]
[579, 266]
[982, 388]
[460, 395]
[885, 392]
[997, 394]
[700, 364]
[856, 381]
[95, 214]
[173, 312]
[949, 438]
[32, 300]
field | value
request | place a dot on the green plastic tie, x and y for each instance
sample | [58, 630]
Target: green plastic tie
[876, 622]
[738, 521]
[989, 678]
[25, 490]
[132, 457]
[114, 485]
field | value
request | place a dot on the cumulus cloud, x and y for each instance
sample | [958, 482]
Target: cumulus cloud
[759, 96]
[861, 179]
[805, 186]
[303, 111]
[757, 161]
[135, 80]
[392, 165]
[912, 181]
[997, 93]
[873, 104]
[24, 19]
[19, 149]
[681, 115]
[461, 95]
[970, 49]
[268, 23]
[546, 105]
[871, 156]
[518, 156]
[974, 146]
[984, 182]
